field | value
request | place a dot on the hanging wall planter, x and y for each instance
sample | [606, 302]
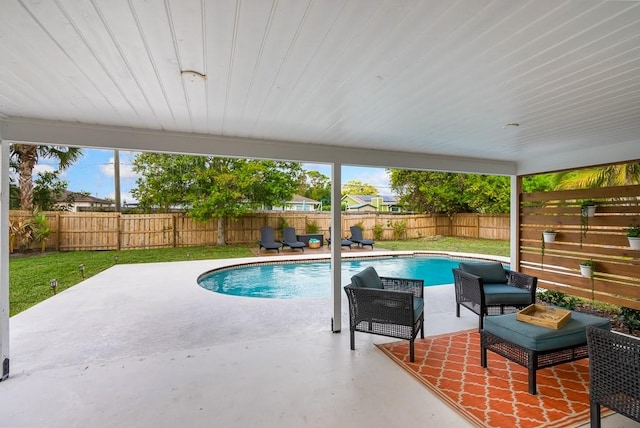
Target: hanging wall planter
[633, 235]
[587, 209]
[549, 235]
[586, 268]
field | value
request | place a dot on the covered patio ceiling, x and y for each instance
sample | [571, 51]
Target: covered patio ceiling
[408, 84]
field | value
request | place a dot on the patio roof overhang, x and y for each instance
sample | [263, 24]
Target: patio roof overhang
[495, 87]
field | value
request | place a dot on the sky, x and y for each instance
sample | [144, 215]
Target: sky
[93, 173]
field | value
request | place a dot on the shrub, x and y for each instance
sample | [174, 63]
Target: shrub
[378, 230]
[630, 318]
[312, 227]
[399, 229]
[558, 298]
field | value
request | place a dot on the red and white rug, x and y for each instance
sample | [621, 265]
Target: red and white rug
[449, 365]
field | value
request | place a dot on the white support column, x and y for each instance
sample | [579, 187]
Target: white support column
[336, 248]
[514, 240]
[4, 260]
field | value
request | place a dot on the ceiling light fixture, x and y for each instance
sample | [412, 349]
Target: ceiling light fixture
[193, 73]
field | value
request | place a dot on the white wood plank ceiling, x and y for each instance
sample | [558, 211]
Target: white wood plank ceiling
[432, 77]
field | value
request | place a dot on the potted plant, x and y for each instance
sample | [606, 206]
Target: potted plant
[633, 235]
[587, 267]
[588, 208]
[549, 235]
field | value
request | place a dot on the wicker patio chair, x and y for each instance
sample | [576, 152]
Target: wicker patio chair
[614, 373]
[489, 289]
[386, 306]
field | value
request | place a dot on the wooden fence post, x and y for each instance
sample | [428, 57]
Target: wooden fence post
[174, 220]
[119, 231]
[57, 232]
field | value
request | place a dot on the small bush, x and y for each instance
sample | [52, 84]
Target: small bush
[378, 230]
[630, 318]
[399, 229]
[558, 298]
[312, 227]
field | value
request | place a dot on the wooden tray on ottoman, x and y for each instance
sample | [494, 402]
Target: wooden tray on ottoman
[544, 316]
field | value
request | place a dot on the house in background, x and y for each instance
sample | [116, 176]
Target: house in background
[299, 203]
[378, 203]
[81, 202]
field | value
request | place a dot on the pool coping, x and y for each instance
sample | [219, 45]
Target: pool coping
[310, 258]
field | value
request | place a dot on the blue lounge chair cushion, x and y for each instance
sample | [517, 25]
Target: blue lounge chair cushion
[538, 338]
[368, 278]
[491, 273]
[498, 294]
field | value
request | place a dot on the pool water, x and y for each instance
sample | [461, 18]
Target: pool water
[313, 279]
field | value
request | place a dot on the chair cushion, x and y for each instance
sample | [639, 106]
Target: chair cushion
[368, 278]
[538, 338]
[502, 294]
[418, 307]
[491, 273]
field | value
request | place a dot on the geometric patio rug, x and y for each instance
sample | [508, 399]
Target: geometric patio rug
[449, 365]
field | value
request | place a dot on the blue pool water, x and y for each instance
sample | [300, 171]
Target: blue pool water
[313, 279]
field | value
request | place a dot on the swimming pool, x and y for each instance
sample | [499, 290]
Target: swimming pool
[287, 280]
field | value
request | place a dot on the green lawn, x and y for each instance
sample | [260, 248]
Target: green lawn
[30, 275]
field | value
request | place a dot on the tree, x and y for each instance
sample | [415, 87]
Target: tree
[607, 176]
[448, 193]
[48, 190]
[356, 187]
[164, 180]
[315, 185]
[214, 187]
[25, 157]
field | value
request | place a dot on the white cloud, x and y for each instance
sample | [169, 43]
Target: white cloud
[126, 166]
[42, 168]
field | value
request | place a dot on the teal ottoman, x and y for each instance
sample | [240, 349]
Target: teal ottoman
[536, 347]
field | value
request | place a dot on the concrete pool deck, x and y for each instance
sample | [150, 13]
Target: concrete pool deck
[143, 345]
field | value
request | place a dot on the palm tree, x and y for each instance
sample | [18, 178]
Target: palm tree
[26, 157]
[608, 176]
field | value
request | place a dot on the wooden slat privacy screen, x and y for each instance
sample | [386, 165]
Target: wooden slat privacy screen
[602, 239]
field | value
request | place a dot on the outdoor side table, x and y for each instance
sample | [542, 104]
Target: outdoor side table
[536, 347]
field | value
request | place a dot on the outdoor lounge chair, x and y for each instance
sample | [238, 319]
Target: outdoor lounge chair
[266, 239]
[343, 242]
[614, 373]
[489, 289]
[356, 236]
[386, 306]
[290, 240]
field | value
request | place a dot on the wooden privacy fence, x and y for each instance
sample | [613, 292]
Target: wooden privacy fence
[116, 231]
[601, 238]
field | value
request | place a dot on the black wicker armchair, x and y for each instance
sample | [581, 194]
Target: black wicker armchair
[614, 373]
[386, 306]
[489, 289]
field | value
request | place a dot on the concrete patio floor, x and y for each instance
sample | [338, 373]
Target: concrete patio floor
[144, 346]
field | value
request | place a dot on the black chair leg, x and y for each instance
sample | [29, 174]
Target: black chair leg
[595, 415]
[352, 337]
[411, 351]
[458, 310]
